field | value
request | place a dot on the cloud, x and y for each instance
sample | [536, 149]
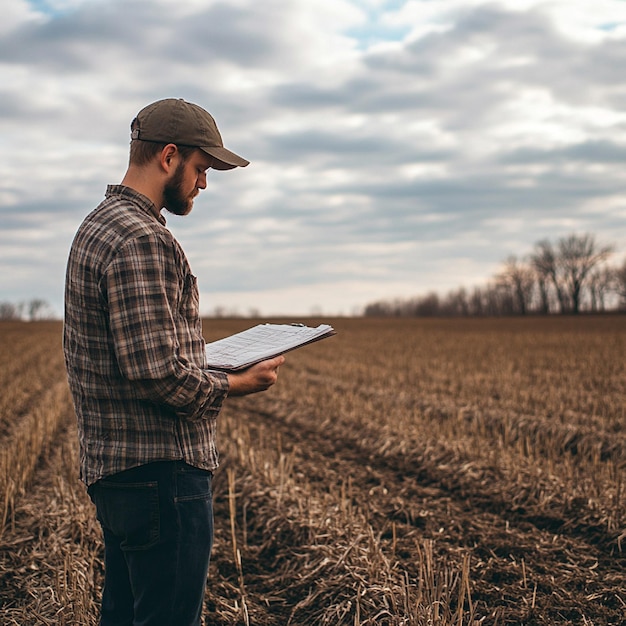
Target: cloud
[396, 146]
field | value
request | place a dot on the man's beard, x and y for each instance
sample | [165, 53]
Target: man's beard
[175, 200]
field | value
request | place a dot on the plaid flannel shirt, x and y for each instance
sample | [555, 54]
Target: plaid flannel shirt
[133, 344]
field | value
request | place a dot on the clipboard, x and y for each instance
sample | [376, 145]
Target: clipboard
[261, 342]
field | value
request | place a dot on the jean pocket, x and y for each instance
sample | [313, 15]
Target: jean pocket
[193, 484]
[130, 511]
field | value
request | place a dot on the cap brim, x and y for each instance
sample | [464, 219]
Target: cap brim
[224, 159]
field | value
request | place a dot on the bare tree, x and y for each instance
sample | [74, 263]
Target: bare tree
[578, 256]
[10, 311]
[602, 282]
[519, 279]
[620, 284]
[542, 281]
[428, 306]
[476, 302]
[495, 299]
[381, 308]
[545, 262]
[456, 303]
[568, 268]
[38, 309]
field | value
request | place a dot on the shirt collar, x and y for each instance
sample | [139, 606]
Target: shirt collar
[143, 202]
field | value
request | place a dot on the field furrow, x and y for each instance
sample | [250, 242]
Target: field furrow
[563, 573]
[32, 361]
[50, 556]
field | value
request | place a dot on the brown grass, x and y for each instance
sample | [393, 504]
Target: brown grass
[403, 472]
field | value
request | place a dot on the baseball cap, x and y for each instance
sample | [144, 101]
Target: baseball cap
[173, 120]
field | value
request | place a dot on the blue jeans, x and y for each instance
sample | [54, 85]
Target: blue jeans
[157, 521]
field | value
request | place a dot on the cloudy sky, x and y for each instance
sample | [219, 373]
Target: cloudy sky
[396, 147]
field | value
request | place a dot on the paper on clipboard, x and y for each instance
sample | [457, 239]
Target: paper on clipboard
[261, 342]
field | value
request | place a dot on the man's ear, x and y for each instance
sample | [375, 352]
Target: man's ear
[168, 157]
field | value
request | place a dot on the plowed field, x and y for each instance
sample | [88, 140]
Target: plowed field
[403, 472]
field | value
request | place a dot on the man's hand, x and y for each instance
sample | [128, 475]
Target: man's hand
[258, 377]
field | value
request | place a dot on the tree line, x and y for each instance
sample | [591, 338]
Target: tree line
[35, 309]
[568, 276]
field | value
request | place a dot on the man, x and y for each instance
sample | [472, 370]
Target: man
[145, 402]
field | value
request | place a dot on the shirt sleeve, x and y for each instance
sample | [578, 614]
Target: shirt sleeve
[143, 291]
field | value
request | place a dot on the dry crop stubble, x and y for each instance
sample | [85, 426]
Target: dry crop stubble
[309, 551]
[50, 559]
[404, 472]
[49, 544]
[527, 483]
[34, 398]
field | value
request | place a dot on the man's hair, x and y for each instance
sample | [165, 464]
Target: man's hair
[142, 152]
